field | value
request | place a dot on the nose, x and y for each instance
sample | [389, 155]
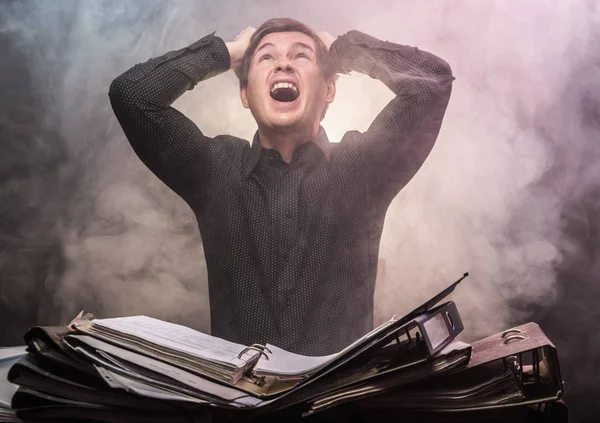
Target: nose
[284, 65]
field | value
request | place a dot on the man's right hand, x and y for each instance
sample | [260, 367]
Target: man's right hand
[237, 48]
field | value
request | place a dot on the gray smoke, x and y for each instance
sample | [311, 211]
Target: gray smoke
[508, 193]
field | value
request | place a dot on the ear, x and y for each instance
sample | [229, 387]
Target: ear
[244, 96]
[330, 84]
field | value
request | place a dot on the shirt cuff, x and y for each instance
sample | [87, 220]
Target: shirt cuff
[217, 49]
[346, 48]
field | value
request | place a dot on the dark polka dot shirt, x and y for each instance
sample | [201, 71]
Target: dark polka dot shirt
[291, 248]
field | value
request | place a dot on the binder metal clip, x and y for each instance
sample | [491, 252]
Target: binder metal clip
[256, 347]
[506, 332]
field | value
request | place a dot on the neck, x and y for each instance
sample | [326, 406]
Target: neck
[287, 140]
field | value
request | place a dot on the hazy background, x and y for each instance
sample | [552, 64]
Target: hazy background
[510, 193]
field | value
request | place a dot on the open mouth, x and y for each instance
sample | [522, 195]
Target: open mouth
[285, 92]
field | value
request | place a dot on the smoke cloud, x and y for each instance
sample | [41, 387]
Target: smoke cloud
[509, 193]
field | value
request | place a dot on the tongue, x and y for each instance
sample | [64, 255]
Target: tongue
[284, 95]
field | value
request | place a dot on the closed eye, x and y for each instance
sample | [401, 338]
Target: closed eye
[264, 57]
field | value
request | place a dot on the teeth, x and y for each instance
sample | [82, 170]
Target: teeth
[284, 85]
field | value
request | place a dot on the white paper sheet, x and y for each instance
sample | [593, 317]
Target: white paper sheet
[176, 337]
[143, 389]
[285, 363]
[187, 378]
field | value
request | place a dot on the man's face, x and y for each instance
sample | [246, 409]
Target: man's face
[286, 89]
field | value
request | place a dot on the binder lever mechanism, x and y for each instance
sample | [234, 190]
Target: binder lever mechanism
[522, 360]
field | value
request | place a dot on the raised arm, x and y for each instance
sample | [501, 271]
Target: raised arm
[166, 141]
[402, 135]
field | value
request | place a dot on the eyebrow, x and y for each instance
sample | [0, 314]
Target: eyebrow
[264, 46]
[303, 45]
[296, 44]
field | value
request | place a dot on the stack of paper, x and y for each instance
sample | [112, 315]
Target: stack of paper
[137, 368]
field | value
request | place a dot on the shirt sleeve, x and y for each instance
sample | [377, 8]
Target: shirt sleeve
[401, 137]
[166, 141]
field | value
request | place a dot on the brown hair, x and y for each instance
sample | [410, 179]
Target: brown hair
[285, 25]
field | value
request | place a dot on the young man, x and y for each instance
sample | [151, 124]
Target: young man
[290, 223]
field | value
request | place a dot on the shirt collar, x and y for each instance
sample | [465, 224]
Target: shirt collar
[321, 140]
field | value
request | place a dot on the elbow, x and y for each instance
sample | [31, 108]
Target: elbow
[123, 96]
[445, 79]
[445, 70]
[117, 90]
